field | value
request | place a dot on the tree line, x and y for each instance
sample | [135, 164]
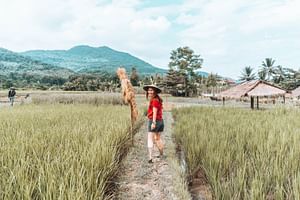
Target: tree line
[182, 78]
[284, 77]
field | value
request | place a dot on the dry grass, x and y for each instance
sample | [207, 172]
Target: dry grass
[81, 98]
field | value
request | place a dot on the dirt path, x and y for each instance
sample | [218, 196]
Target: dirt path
[160, 180]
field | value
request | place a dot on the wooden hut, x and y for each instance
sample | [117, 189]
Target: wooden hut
[252, 89]
[296, 93]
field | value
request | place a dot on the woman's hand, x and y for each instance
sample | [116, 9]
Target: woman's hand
[153, 125]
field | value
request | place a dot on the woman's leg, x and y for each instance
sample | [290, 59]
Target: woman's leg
[159, 143]
[150, 144]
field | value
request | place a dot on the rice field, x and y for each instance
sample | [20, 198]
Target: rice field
[61, 151]
[245, 154]
[95, 98]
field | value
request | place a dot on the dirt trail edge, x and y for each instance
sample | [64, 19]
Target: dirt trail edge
[163, 179]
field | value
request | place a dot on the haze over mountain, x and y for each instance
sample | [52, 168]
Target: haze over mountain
[86, 59]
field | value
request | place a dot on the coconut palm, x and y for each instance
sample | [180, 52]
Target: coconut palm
[268, 68]
[262, 75]
[279, 74]
[247, 74]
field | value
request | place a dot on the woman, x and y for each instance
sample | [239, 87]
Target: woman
[11, 95]
[156, 123]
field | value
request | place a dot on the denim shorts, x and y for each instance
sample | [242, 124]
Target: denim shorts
[159, 127]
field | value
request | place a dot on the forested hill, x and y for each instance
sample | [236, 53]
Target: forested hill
[14, 64]
[86, 59]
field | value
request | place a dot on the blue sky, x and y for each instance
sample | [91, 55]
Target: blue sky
[229, 35]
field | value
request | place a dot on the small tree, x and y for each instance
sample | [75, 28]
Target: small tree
[7, 84]
[172, 79]
[134, 77]
[184, 61]
[146, 80]
[212, 82]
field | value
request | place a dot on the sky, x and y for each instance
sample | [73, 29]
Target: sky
[229, 35]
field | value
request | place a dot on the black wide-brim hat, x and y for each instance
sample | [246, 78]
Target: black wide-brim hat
[157, 89]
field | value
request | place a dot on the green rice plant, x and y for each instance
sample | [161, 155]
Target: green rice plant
[245, 154]
[61, 151]
[78, 98]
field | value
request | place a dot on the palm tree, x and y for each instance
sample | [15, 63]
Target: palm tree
[262, 75]
[287, 78]
[279, 74]
[247, 74]
[268, 68]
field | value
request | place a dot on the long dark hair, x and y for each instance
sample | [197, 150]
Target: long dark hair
[156, 96]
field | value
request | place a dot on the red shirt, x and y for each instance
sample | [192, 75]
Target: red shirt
[155, 103]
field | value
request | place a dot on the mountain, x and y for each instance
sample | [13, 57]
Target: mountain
[86, 59]
[14, 63]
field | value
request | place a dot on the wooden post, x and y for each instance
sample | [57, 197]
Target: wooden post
[252, 102]
[257, 103]
[223, 101]
[284, 99]
[166, 98]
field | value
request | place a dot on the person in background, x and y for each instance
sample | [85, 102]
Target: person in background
[155, 123]
[11, 95]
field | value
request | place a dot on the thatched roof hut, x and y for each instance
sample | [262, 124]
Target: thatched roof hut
[296, 92]
[255, 88]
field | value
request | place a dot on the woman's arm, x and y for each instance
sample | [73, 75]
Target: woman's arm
[154, 114]
[154, 118]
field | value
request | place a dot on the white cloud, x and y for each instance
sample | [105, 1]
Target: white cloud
[59, 24]
[232, 34]
[228, 34]
[160, 24]
[271, 15]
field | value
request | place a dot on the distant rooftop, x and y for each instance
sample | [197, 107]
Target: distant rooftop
[296, 92]
[253, 88]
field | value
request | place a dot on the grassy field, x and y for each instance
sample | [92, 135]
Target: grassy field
[78, 98]
[61, 151]
[245, 154]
